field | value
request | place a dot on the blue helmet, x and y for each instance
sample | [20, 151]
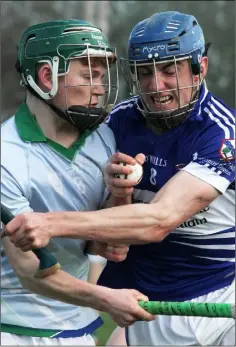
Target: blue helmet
[165, 35]
[165, 38]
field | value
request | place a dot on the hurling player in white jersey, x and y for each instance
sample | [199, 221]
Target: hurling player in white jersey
[179, 219]
[53, 151]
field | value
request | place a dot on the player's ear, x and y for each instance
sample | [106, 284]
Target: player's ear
[204, 67]
[203, 70]
[44, 75]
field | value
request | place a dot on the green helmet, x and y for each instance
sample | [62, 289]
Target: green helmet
[56, 42]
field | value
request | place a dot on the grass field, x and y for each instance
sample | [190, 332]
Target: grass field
[103, 333]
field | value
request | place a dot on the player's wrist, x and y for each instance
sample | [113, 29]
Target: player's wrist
[118, 201]
[114, 201]
[55, 221]
[104, 298]
[95, 296]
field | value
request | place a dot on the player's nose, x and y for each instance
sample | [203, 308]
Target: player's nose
[157, 82]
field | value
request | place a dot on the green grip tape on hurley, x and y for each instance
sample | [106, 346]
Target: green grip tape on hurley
[188, 309]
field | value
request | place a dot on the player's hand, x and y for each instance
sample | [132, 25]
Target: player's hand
[29, 230]
[121, 188]
[112, 252]
[124, 308]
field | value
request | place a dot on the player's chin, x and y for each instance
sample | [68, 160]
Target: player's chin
[163, 108]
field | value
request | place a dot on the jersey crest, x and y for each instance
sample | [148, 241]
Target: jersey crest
[227, 150]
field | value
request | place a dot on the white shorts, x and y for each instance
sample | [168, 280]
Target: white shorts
[187, 331]
[97, 259]
[20, 340]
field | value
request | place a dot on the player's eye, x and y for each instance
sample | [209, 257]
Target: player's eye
[144, 72]
[169, 71]
[87, 77]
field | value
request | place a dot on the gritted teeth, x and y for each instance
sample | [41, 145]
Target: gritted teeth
[163, 99]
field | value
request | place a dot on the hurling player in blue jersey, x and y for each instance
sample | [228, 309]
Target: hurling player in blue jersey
[182, 211]
[187, 137]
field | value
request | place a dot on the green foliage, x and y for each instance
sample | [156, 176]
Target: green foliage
[216, 18]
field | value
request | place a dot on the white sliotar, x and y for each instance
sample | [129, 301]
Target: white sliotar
[136, 175]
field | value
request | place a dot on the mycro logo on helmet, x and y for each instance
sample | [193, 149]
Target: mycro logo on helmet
[154, 48]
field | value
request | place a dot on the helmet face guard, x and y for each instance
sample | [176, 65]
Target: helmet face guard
[165, 38]
[57, 43]
[163, 118]
[109, 83]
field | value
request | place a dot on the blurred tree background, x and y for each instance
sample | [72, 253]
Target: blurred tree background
[117, 18]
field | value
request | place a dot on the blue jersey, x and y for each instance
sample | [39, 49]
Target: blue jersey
[198, 256]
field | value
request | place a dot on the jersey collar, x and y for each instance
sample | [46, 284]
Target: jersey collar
[30, 131]
[27, 126]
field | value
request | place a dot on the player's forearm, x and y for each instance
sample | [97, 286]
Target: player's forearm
[91, 247]
[59, 286]
[64, 287]
[116, 224]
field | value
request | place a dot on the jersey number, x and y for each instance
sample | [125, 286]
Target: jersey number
[152, 177]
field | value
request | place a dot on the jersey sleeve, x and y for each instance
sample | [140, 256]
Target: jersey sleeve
[110, 143]
[113, 123]
[13, 195]
[214, 159]
[121, 118]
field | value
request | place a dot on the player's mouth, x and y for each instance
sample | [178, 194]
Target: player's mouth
[162, 102]
[94, 104]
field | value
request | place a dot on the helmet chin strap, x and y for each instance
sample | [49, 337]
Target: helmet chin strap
[83, 118]
[165, 120]
[170, 120]
[53, 91]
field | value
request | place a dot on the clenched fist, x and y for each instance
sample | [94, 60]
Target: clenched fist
[121, 188]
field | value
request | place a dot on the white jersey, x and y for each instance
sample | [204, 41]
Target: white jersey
[40, 175]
